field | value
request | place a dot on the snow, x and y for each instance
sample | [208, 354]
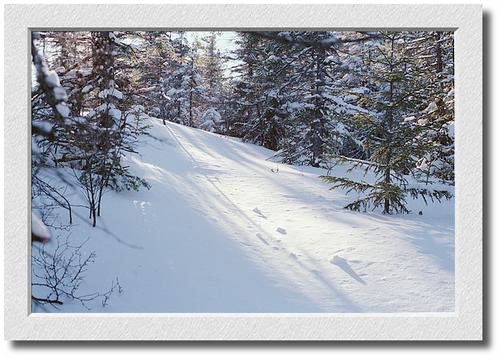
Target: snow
[451, 130]
[52, 79]
[63, 109]
[330, 58]
[108, 108]
[296, 106]
[210, 120]
[422, 122]
[114, 112]
[422, 164]
[38, 228]
[45, 126]
[60, 94]
[110, 92]
[273, 58]
[219, 232]
[258, 211]
[431, 108]
[280, 230]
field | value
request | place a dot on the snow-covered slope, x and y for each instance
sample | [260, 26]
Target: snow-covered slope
[223, 229]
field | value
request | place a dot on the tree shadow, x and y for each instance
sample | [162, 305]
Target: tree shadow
[344, 265]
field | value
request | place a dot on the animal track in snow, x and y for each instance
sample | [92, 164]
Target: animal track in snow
[281, 230]
[259, 213]
[349, 249]
[260, 236]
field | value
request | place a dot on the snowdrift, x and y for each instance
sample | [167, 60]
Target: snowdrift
[224, 229]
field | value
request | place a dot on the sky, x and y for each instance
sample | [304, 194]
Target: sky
[224, 43]
[224, 40]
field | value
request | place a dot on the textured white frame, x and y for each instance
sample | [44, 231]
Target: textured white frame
[464, 324]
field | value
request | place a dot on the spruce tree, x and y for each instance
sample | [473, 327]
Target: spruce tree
[88, 135]
[211, 68]
[311, 139]
[385, 130]
[436, 116]
[245, 103]
[270, 94]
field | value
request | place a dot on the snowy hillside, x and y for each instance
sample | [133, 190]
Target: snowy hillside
[225, 229]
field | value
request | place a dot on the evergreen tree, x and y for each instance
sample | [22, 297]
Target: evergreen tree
[434, 53]
[395, 87]
[274, 87]
[211, 121]
[212, 71]
[151, 66]
[91, 145]
[245, 103]
[311, 137]
[183, 88]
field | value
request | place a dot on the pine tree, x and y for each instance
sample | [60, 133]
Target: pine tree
[211, 69]
[183, 89]
[91, 145]
[152, 64]
[311, 139]
[435, 58]
[211, 121]
[245, 103]
[385, 130]
[265, 125]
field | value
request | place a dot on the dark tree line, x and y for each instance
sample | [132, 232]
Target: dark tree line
[380, 101]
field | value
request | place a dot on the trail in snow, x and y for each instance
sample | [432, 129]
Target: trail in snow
[220, 232]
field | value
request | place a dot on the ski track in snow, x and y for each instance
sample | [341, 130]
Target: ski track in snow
[220, 232]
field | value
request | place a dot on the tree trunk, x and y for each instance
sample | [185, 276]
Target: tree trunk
[190, 110]
[99, 200]
[386, 206]
[390, 125]
[317, 121]
[94, 215]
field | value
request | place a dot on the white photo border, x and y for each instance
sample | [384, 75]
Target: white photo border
[466, 323]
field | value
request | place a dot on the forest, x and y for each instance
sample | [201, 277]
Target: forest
[367, 117]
